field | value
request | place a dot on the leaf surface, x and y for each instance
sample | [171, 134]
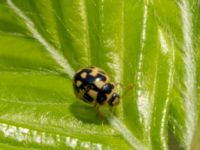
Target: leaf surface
[150, 46]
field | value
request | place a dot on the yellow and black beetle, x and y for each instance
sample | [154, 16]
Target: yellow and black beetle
[93, 86]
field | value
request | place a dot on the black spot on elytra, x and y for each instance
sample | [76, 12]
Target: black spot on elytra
[101, 98]
[87, 98]
[107, 88]
[76, 89]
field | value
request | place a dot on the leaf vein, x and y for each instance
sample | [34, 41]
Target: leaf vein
[59, 58]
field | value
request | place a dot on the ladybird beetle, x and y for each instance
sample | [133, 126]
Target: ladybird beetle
[93, 86]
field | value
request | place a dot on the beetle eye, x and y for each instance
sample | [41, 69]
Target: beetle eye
[114, 100]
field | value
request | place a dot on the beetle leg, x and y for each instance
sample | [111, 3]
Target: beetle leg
[99, 114]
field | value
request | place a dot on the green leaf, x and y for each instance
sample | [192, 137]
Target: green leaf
[150, 46]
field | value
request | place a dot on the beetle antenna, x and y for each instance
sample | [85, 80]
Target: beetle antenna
[126, 89]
